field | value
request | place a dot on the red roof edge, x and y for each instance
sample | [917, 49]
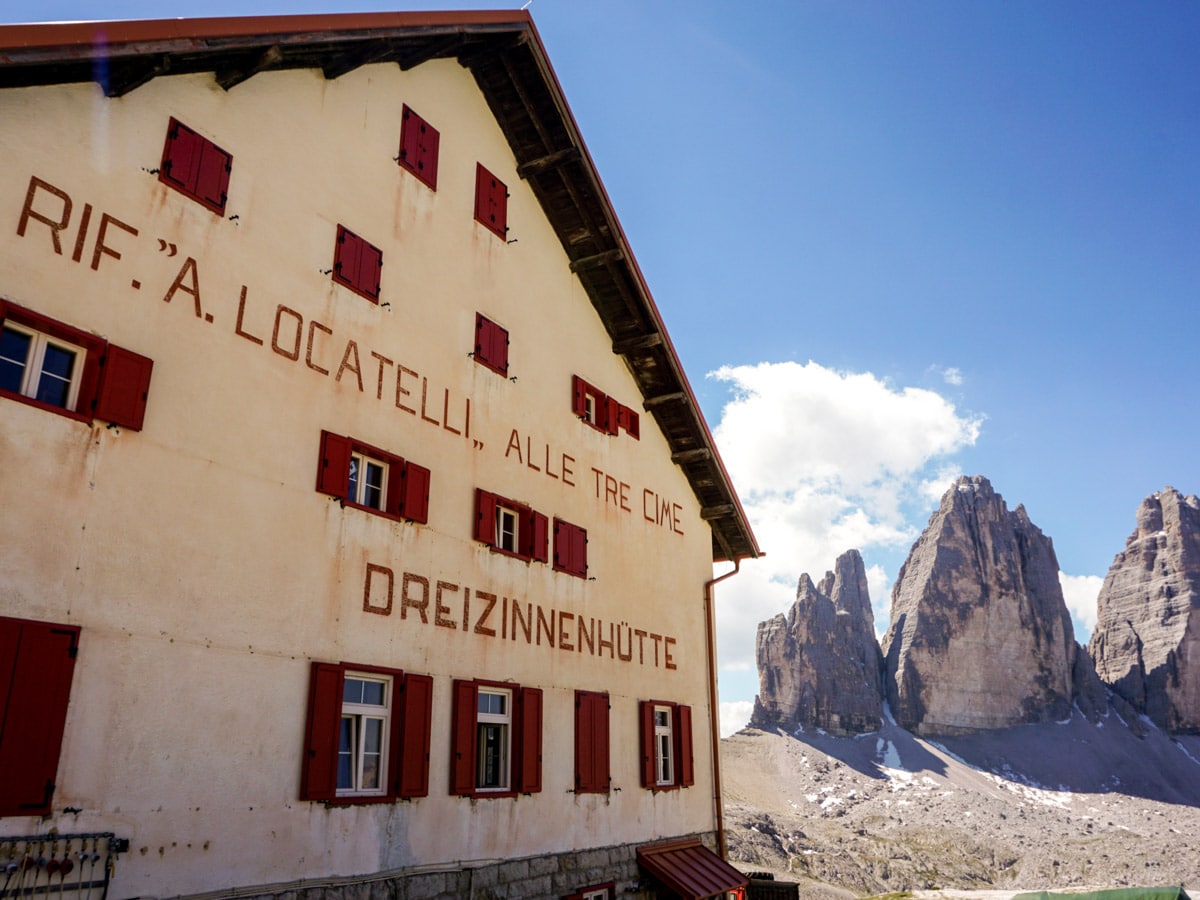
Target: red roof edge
[122, 31]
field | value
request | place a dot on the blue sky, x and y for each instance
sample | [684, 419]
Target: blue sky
[894, 243]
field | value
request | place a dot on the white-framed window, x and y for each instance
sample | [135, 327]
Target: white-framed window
[493, 740]
[597, 893]
[664, 743]
[363, 734]
[36, 365]
[368, 481]
[507, 528]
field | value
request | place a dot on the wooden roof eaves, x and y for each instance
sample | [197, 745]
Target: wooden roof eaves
[732, 535]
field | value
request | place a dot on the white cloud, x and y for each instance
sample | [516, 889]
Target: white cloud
[1080, 592]
[792, 426]
[953, 376]
[734, 716]
[824, 462]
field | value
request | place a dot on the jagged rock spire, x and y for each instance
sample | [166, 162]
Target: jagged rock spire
[980, 636]
[820, 665]
[1146, 644]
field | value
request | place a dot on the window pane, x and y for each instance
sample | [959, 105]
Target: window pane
[352, 690]
[373, 488]
[492, 739]
[345, 771]
[492, 704]
[14, 351]
[58, 362]
[352, 493]
[372, 740]
[506, 529]
[372, 692]
[664, 759]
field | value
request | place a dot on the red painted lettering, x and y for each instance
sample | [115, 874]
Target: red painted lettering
[237, 329]
[351, 350]
[383, 575]
[424, 394]
[383, 360]
[314, 326]
[28, 212]
[294, 353]
[103, 249]
[189, 269]
[401, 371]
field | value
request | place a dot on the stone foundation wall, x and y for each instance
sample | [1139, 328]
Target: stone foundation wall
[531, 878]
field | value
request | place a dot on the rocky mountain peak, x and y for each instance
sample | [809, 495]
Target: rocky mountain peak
[820, 665]
[980, 636]
[1146, 644]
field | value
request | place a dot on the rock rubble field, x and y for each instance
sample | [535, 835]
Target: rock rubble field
[1037, 807]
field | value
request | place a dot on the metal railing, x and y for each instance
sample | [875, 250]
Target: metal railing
[58, 866]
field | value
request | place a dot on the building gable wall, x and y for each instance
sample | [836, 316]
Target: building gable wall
[205, 569]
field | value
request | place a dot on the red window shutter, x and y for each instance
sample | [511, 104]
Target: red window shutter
[646, 742]
[393, 504]
[370, 270]
[683, 746]
[38, 666]
[530, 776]
[462, 737]
[601, 774]
[499, 352]
[212, 176]
[124, 387]
[535, 536]
[628, 419]
[196, 166]
[357, 264]
[419, 147]
[414, 502]
[570, 548]
[181, 157]
[584, 743]
[333, 465]
[491, 344]
[491, 201]
[89, 383]
[318, 776]
[485, 517]
[10, 639]
[578, 539]
[591, 742]
[610, 417]
[416, 716]
[347, 257]
[578, 396]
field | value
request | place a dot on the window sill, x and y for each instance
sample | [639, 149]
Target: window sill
[512, 554]
[48, 407]
[395, 517]
[363, 800]
[492, 795]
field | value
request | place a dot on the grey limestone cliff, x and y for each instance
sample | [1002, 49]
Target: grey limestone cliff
[1146, 644]
[820, 665]
[980, 636]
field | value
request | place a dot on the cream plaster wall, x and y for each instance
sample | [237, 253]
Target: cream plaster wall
[206, 571]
